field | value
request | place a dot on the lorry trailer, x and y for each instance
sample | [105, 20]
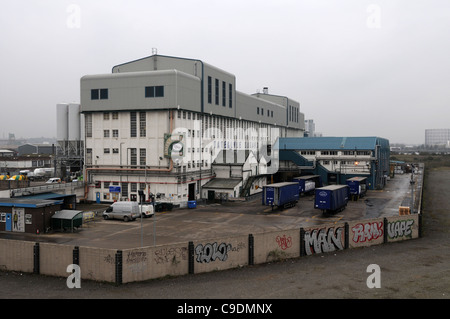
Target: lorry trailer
[307, 184]
[358, 187]
[331, 198]
[282, 195]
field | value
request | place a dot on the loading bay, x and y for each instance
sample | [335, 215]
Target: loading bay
[225, 219]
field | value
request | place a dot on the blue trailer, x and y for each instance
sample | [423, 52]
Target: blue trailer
[307, 184]
[282, 195]
[358, 187]
[332, 198]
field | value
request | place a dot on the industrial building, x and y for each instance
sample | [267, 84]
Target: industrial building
[157, 124]
[336, 159]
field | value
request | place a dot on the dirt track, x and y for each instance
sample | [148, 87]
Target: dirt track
[417, 268]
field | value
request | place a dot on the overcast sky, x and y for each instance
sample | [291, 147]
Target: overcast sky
[358, 68]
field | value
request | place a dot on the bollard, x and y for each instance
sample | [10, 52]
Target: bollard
[191, 257]
[251, 251]
[36, 259]
[119, 267]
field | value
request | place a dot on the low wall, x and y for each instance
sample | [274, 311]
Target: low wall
[139, 264]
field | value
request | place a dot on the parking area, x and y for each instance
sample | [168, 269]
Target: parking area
[222, 219]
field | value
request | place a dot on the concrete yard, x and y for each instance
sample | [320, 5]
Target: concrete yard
[227, 219]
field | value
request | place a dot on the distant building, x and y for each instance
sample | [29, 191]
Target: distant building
[336, 159]
[437, 137]
[27, 149]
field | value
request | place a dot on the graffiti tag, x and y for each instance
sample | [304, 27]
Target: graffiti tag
[166, 255]
[367, 232]
[400, 228]
[211, 252]
[321, 240]
[284, 242]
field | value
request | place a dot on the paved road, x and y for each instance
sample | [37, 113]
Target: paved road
[418, 268]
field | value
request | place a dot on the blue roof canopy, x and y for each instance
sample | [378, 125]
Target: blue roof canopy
[330, 143]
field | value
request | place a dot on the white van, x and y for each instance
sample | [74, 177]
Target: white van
[122, 210]
[147, 210]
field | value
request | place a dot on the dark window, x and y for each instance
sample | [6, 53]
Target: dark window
[154, 91]
[230, 95]
[159, 91]
[101, 94]
[209, 90]
[133, 124]
[217, 92]
[224, 94]
[94, 95]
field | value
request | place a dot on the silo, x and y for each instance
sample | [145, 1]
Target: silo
[74, 122]
[62, 132]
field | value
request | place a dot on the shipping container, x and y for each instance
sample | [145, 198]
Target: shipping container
[357, 187]
[332, 198]
[282, 195]
[307, 184]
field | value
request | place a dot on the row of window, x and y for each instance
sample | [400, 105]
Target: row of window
[336, 153]
[293, 113]
[269, 112]
[217, 90]
[150, 91]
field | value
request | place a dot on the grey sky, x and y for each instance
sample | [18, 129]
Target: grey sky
[358, 68]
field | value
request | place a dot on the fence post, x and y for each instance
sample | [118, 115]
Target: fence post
[251, 251]
[119, 267]
[76, 255]
[347, 232]
[385, 230]
[191, 257]
[36, 259]
[302, 242]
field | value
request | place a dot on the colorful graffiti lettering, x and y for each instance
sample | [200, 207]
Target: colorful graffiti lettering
[367, 232]
[321, 240]
[400, 228]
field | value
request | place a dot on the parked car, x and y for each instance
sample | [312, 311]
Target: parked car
[53, 180]
[122, 210]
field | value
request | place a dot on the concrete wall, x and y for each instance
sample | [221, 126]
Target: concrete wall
[139, 264]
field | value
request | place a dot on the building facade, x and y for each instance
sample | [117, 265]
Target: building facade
[336, 159]
[156, 125]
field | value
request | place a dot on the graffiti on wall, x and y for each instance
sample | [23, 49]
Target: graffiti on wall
[324, 240]
[165, 255]
[366, 232]
[400, 228]
[284, 242]
[212, 252]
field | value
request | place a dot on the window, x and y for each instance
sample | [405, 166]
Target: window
[106, 151]
[88, 121]
[115, 115]
[224, 94]
[230, 95]
[142, 124]
[115, 133]
[101, 94]
[89, 156]
[257, 110]
[115, 151]
[216, 92]
[106, 116]
[154, 91]
[142, 156]
[133, 124]
[209, 90]
[125, 190]
[133, 156]
[106, 185]
[105, 133]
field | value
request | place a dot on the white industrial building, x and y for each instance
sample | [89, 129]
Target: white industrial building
[157, 125]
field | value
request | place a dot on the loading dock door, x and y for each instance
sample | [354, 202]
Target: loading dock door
[8, 225]
[191, 194]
